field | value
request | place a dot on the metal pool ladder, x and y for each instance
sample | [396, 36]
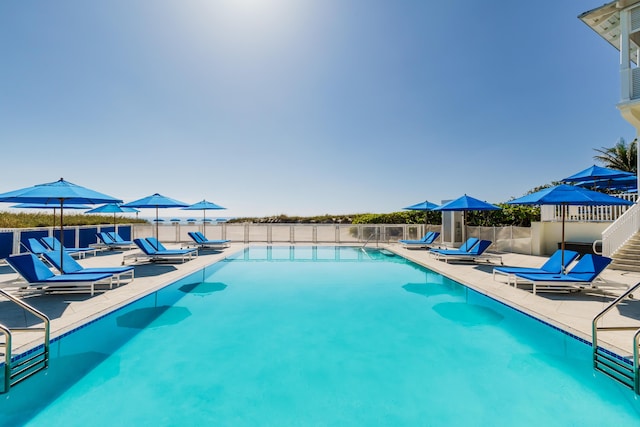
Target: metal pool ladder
[374, 234]
[36, 361]
[616, 367]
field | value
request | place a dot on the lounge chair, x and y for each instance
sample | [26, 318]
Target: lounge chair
[203, 242]
[109, 242]
[425, 242]
[552, 265]
[118, 239]
[582, 275]
[71, 266]
[38, 276]
[476, 253]
[465, 247]
[34, 246]
[155, 255]
[54, 244]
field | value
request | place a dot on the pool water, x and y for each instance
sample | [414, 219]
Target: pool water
[319, 336]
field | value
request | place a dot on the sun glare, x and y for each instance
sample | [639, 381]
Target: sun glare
[247, 19]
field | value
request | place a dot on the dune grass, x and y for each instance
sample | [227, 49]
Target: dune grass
[45, 219]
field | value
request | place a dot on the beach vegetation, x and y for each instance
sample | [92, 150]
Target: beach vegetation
[42, 219]
[621, 156]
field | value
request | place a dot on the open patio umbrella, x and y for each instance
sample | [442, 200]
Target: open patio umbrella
[568, 195]
[48, 206]
[422, 206]
[204, 206]
[156, 201]
[597, 173]
[61, 192]
[622, 184]
[464, 204]
[113, 208]
[604, 178]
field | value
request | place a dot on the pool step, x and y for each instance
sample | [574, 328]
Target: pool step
[615, 368]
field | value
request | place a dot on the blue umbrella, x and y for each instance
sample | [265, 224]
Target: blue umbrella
[61, 192]
[156, 200]
[422, 206]
[596, 173]
[464, 204]
[113, 208]
[467, 203]
[203, 205]
[624, 183]
[568, 195]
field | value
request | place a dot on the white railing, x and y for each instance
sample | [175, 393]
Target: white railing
[508, 238]
[550, 213]
[614, 236]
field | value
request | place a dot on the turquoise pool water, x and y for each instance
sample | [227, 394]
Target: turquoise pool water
[318, 337]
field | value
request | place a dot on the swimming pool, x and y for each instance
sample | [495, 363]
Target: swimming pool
[318, 336]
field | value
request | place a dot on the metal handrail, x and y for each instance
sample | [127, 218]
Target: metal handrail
[7, 357]
[636, 337]
[636, 372]
[8, 338]
[375, 234]
[594, 247]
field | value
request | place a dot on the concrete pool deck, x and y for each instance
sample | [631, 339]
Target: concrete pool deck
[572, 312]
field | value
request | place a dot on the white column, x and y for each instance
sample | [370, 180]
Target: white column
[625, 61]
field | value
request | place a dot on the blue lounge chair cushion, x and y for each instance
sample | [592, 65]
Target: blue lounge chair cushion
[146, 247]
[200, 239]
[54, 244]
[428, 238]
[106, 238]
[475, 251]
[34, 271]
[464, 248]
[586, 270]
[155, 243]
[71, 266]
[118, 239]
[35, 247]
[205, 240]
[552, 265]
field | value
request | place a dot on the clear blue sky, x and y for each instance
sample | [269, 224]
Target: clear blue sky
[303, 107]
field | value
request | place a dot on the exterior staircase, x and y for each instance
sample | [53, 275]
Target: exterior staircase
[627, 258]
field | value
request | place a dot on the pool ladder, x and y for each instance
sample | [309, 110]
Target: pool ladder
[374, 234]
[38, 360]
[621, 369]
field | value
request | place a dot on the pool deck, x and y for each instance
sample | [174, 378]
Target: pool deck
[572, 312]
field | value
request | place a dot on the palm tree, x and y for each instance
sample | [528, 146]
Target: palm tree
[621, 156]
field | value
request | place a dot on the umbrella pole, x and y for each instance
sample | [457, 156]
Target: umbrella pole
[204, 223]
[115, 230]
[562, 244]
[61, 237]
[157, 234]
[464, 226]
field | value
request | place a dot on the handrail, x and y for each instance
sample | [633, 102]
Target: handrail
[636, 371]
[636, 337]
[7, 357]
[594, 247]
[616, 234]
[375, 234]
[594, 323]
[8, 339]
